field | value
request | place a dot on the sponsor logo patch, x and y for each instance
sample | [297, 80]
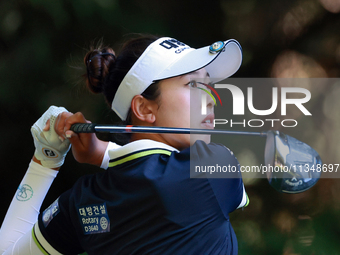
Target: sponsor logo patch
[94, 219]
[50, 212]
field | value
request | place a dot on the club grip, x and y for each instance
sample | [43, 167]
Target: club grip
[84, 128]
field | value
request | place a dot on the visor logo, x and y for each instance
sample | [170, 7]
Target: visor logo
[171, 43]
[181, 49]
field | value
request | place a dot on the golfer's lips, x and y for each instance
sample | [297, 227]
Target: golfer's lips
[208, 121]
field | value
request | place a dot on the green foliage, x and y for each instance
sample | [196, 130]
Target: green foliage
[42, 44]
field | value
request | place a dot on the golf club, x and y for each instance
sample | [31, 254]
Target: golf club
[295, 163]
[292, 163]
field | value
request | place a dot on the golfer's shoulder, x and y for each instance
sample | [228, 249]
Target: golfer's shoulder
[202, 150]
[214, 148]
[88, 186]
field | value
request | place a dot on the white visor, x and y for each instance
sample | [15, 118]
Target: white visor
[168, 57]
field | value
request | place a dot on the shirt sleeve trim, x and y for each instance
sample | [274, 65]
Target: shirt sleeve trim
[41, 242]
[245, 199]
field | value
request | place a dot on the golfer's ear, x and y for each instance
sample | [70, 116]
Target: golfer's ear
[144, 109]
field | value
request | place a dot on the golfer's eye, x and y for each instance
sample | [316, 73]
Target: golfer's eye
[193, 84]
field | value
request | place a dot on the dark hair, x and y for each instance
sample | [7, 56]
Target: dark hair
[105, 70]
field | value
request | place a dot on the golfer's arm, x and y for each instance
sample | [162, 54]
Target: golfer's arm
[24, 208]
[26, 245]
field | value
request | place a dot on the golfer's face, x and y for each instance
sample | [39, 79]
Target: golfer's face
[180, 105]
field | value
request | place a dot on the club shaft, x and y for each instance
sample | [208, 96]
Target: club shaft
[95, 128]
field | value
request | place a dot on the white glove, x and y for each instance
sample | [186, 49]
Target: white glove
[49, 149]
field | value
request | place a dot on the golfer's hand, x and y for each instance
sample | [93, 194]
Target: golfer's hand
[50, 151]
[86, 147]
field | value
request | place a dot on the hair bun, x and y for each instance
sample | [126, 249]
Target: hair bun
[98, 63]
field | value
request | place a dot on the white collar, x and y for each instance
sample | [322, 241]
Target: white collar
[139, 145]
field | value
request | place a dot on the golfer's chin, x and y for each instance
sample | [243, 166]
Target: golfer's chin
[206, 125]
[196, 137]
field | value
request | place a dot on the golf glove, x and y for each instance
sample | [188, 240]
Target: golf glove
[49, 149]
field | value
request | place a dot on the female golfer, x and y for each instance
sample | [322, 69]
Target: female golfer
[150, 200]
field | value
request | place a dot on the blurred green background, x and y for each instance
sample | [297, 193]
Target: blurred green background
[42, 44]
